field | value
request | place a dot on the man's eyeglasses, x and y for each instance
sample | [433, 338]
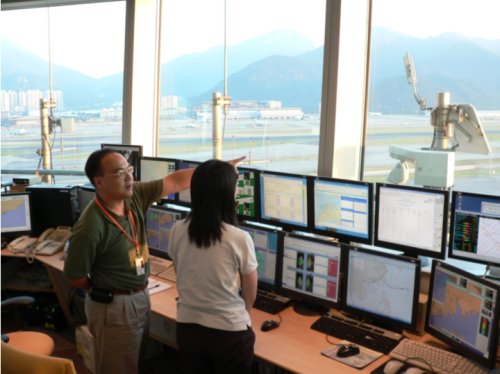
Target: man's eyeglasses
[122, 172]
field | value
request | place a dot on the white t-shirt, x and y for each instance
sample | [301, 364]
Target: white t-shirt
[208, 279]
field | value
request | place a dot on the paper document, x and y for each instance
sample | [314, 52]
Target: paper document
[155, 286]
[363, 358]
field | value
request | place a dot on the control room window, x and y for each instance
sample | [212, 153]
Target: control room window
[454, 47]
[274, 71]
[85, 45]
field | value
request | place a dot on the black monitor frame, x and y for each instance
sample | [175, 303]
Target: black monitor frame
[368, 314]
[9, 234]
[288, 225]
[132, 153]
[186, 192]
[256, 196]
[264, 285]
[159, 209]
[306, 299]
[411, 248]
[87, 188]
[343, 235]
[165, 199]
[476, 216]
[487, 317]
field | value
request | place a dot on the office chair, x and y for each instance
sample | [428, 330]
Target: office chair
[15, 361]
[29, 341]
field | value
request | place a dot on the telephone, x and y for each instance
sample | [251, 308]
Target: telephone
[21, 244]
[52, 240]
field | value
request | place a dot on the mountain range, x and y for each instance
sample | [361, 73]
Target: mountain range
[284, 65]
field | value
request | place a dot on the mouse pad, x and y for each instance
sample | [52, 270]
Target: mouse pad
[363, 358]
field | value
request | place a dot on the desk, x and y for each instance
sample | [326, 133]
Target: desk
[293, 346]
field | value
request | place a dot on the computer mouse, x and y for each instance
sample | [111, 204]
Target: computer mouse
[347, 350]
[393, 367]
[269, 325]
[414, 370]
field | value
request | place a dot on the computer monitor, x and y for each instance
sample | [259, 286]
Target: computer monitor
[184, 196]
[411, 219]
[382, 288]
[475, 228]
[284, 200]
[16, 215]
[343, 209]
[86, 194]
[247, 194]
[153, 168]
[159, 222]
[463, 311]
[311, 271]
[132, 153]
[266, 242]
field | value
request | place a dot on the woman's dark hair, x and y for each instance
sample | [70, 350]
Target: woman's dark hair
[93, 164]
[212, 201]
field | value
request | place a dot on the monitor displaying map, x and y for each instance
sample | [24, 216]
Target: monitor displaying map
[382, 288]
[463, 311]
[343, 209]
[159, 222]
[16, 215]
[475, 228]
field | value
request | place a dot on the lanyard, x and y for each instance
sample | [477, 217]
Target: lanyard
[131, 216]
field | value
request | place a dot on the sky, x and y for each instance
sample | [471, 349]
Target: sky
[89, 38]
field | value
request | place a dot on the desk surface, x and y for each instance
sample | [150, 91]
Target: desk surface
[293, 346]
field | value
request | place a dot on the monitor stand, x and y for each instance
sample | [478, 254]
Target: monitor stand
[305, 308]
[493, 272]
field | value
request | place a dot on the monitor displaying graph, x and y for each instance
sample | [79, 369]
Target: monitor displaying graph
[284, 199]
[475, 228]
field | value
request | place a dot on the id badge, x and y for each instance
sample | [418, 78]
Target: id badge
[140, 268]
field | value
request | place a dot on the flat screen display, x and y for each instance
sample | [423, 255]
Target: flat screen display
[311, 270]
[159, 223]
[284, 199]
[382, 287]
[153, 168]
[475, 228]
[463, 312]
[16, 214]
[247, 193]
[132, 153]
[184, 196]
[343, 209]
[411, 219]
[266, 242]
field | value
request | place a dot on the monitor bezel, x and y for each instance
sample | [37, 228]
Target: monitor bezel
[121, 148]
[154, 251]
[179, 201]
[289, 226]
[277, 271]
[377, 319]
[16, 233]
[489, 362]
[88, 188]
[164, 199]
[242, 217]
[412, 250]
[334, 233]
[309, 298]
[452, 253]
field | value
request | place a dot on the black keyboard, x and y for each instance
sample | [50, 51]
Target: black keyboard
[270, 302]
[357, 332]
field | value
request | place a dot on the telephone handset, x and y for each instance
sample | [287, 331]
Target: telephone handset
[21, 244]
[52, 240]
